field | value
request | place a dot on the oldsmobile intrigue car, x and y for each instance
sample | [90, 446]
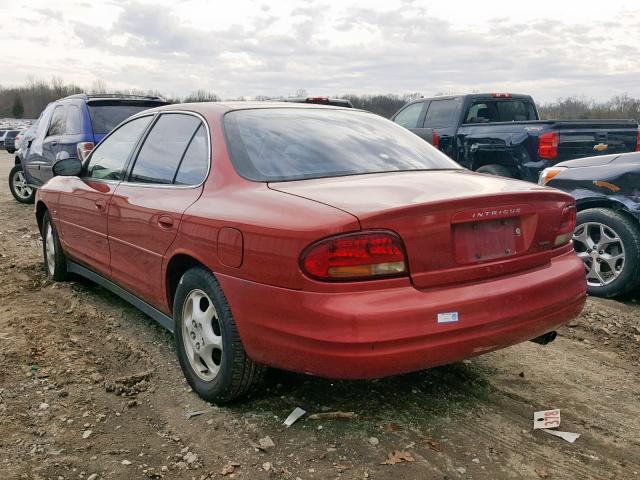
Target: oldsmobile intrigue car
[310, 238]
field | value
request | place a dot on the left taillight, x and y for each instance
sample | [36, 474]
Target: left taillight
[83, 149]
[567, 225]
[355, 256]
[638, 141]
[548, 145]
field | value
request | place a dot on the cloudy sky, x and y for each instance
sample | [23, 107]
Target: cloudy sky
[547, 48]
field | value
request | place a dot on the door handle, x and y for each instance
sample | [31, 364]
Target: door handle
[165, 221]
[100, 204]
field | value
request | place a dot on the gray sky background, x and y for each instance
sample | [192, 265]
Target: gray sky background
[550, 49]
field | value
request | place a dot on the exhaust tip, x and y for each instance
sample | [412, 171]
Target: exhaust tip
[545, 338]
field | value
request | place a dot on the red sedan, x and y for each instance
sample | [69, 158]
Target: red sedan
[316, 239]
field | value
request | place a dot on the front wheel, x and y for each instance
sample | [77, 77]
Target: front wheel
[609, 245]
[11, 150]
[55, 262]
[207, 341]
[22, 192]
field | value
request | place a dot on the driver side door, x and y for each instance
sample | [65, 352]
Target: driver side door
[84, 201]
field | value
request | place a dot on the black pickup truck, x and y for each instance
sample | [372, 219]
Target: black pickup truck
[502, 134]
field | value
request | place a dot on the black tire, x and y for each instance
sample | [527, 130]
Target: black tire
[11, 150]
[499, 170]
[237, 374]
[628, 231]
[55, 265]
[17, 190]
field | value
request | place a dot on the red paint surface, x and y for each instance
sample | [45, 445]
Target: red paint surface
[350, 329]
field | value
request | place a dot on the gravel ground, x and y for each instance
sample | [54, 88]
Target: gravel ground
[90, 388]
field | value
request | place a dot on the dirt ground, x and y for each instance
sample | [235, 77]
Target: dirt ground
[90, 388]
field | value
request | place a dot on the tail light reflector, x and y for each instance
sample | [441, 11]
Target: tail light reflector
[567, 225]
[83, 149]
[355, 256]
[548, 145]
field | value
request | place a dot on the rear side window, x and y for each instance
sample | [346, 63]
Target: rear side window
[109, 157]
[105, 116]
[57, 124]
[74, 120]
[164, 148]
[195, 163]
[408, 117]
[440, 113]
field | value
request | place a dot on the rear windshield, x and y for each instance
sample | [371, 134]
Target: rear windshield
[292, 144]
[106, 116]
[501, 111]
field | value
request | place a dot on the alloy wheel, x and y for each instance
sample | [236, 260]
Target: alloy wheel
[601, 250]
[201, 335]
[50, 250]
[20, 186]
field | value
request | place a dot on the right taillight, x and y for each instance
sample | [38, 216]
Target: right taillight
[548, 145]
[84, 149]
[355, 256]
[564, 233]
[638, 141]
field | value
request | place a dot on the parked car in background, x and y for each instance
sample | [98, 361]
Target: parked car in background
[607, 235]
[10, 140]
[501, 133]
[3, 134]
[199, 214]
[70, 127]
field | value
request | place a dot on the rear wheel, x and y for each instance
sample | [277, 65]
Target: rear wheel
[55, 262]
[609, 245]
[207, 341]
[22, 192]
[11, 150]
[499, 170]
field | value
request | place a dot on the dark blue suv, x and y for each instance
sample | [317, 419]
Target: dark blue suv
[70, 127]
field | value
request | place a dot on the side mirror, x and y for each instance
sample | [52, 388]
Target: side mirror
[67, 167]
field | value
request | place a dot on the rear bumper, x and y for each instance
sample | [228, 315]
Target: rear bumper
[395, 330]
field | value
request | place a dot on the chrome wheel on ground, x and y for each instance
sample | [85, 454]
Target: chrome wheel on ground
[208, 344]
[602, 252]
[20, 190]
[50, 250]
[55, 262]
[608, 242]
[201, 335]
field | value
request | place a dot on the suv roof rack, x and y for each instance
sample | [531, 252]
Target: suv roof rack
[87, 96]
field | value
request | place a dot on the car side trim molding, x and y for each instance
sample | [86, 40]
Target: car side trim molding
[163, 319]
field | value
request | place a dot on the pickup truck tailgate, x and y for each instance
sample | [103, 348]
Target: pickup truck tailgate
[579, 139]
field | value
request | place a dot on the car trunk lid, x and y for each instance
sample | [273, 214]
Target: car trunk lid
[457, 226]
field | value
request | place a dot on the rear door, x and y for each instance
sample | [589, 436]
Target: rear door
[84, 201]
[51, 142]
[441, 118]
[412, 118]
[145, 213]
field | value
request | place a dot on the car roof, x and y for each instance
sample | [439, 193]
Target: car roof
[220, 108]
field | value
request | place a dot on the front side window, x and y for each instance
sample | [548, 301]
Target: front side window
[440, 113]
[408, 117]
[56, 126]
[108, 159]
[164, 148]
[276, 144]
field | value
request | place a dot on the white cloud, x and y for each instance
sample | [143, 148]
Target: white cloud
[248, 47]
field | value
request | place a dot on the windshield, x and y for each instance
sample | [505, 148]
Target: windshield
[106, 116]
[278, 144]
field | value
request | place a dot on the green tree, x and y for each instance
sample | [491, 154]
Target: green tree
[18, 107]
